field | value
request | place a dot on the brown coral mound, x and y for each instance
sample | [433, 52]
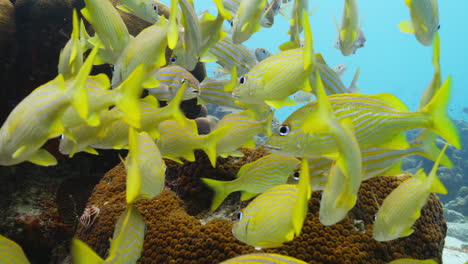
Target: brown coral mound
[174, 236]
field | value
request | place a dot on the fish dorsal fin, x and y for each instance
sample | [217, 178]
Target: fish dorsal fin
[319, 58]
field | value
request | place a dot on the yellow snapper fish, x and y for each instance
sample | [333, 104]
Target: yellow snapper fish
[71, 56]
[170, 79]
[424, 20]
[227, 54]
[246, 21]
[436, 80]
[253, 178]
[275, 216]
[378, 122]
[147, 48]
[145, 167]
[37, 118]
[237, 130]
[211, 31]
[146, 10]
[11, 252]
[125, 96]
[377, 161]
[265, 258]
[412, 261]
[350, 36]
[126, 244]
[115, 135]
[214, 93]
[178, 140]
[188, 51]
[340, 69]
[402, 207]
[299, 10]
[109, 27]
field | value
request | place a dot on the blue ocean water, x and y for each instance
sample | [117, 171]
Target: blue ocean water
[391, 61]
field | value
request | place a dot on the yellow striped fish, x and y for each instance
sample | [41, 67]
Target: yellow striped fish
[264, 258]
[147, 48]
[276, 216]
[170, 79]
[11, 252]
[71, 56]
[377, 161]
[189, 49]
[424, 20]
[145, 167]
[116, 133]
[213, 92]
[253, 178]
[146, 10]
[378, 121]
[238, 129]
[109, 27]
[227, 54]
[37, 118]
[247, 19]
[349, 39]
[402, 207]
[126, 244]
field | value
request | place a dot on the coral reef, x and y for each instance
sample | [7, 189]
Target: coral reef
[177, 234]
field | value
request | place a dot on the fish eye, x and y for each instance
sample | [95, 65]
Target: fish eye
[62, 136]
[296, 175]
[263, 51]
[231, 22]
[283, 130]
[155, 7]
[375, 217]
[239, 216]
[173, 59]
[242, 80]
[438, 27]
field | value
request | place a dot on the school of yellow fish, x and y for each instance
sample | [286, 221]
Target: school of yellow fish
[331, 144]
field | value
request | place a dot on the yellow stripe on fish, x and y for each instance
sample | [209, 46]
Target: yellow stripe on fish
[213, 93]
[265, 258]
[145, 167]
[11, 252]
[228, 55]
[253, 178]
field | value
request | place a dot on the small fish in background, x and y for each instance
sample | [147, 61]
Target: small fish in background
[125, 246]
[350, 36]
[253, 178]
[110, 29]
[146, 10]
[11, 252]
[261, 54]
[276, 216]
[265, 258]
[424, 20]
[170, 79]
[247, 20]
[402, 207]
[145, 167]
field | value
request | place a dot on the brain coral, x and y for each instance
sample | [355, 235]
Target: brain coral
[175, 236]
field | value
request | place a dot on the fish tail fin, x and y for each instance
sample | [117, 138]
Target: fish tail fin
[441, 122]
[300, 208]
[78, 90]
[129, 94]
[430, 149]
[209, 146]
[173, 32]
[435, 184]
[82, 253]
[220, 192]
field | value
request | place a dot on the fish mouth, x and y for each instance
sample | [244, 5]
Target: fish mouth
[272, 147]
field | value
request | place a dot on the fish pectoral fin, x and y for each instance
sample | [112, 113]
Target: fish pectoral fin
[406, 26]
[407, 232]
[19, 151]
[247, 195]
[43, 158]
[56, 129]
[395, 169]
[280, 103]
[93, 120]
[416, 215]
[150, 83]
[90, 150]
[346, 201]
